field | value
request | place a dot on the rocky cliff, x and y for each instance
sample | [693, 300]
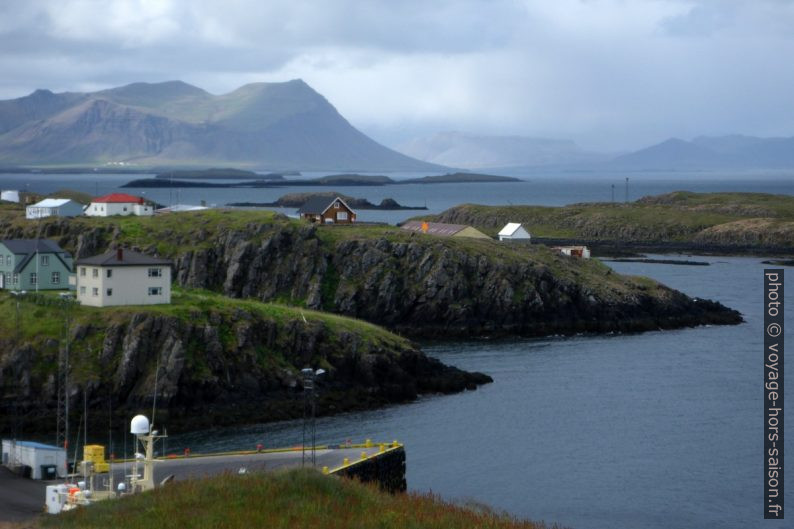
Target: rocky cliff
[213, 362]
[413, 283]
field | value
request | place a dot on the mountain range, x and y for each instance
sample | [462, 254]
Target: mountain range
[473, 151]
[704, 153]
[280, 126]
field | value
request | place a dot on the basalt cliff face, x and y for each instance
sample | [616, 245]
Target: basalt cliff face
[416, 284]
[210, 366]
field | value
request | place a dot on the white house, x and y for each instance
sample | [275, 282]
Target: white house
[10, 196]
[118, 204]
[514, 231]
[54, 207]
[122, 277]
[44, 461]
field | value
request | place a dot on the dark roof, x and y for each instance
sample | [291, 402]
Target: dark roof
[30, 247]
[128, 258]
[24, 246]
[318, 205]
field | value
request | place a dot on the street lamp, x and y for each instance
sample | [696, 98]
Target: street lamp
[309, 410]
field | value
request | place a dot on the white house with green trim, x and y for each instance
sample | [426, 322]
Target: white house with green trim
[34, 264]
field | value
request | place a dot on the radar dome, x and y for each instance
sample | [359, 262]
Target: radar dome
[139, 425]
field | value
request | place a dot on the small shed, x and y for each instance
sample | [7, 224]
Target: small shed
[443, 229]
[583, 252]
[513, 231]
[53, 207]
[327, 211]
[38, 460]
[9, 196]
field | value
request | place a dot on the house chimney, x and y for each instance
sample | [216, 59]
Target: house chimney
[119, 254]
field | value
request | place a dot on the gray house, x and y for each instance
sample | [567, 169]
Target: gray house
[26, 264]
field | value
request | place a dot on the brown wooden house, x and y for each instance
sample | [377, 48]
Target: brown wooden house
[327, 211]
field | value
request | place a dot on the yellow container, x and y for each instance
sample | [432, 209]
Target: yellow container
[96, 454]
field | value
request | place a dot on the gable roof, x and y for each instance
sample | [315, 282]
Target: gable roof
[128, 258]
[434, 228]
[319, 205]
[30, 247]
[118, 198]
[510, 228]
[52, 203]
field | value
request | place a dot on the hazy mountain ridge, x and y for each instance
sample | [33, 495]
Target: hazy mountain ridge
[279, 125]
[472, 151]
[711, 152]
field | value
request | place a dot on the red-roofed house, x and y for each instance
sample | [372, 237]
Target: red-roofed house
[118, 204]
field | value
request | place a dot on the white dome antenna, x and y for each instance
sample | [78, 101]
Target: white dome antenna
[139, 425]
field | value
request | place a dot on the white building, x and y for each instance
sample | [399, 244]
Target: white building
[123, 277]
[10, 196]
[19, 454]
[514, 231]
[54, 207]
[118, 204]
[574, 251]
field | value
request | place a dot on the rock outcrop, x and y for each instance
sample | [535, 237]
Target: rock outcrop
[211, 366]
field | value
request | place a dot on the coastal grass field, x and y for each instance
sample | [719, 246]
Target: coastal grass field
[681, 216]
[292, 499]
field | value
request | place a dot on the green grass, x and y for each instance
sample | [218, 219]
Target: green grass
[674, 217]
[294, 499]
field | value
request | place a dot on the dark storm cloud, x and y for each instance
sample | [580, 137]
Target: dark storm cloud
[608, 73]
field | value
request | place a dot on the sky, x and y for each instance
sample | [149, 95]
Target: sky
[612, 75]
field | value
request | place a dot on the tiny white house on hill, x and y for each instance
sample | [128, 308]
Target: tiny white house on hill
[513, 231]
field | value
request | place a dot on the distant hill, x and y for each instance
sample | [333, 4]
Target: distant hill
[711, 152]
[470, 151]
[279, 126]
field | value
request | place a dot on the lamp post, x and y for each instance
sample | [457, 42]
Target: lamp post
[309, 409]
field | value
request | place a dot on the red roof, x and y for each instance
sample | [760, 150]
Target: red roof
[117, 198]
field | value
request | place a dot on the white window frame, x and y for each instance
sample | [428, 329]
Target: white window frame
[55, 278]
[155, 291]
[155, 272]
[34, 278]
[44, 260]
[95, 291]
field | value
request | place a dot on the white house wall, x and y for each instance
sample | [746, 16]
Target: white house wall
[130, 285]
[107, 209]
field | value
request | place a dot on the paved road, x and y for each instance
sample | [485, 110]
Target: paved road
[22, 499]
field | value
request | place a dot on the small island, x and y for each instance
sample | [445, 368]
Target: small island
[296, 200]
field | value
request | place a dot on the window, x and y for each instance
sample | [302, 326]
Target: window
[95, 272]
[33, 278]
[1, 260]
[44, 260]
[109, 292]
[109, 273]
[82, 271]
[8, 278]
[95, 291]
[336, 205]
[16, 278]
[155, 272]
[82, 291]
[125, 208]
[155, 291]
[56, 278]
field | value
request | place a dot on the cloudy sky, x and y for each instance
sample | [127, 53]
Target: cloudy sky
[610, 74]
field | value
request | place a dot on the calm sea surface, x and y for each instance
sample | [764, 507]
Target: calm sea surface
[654, 430]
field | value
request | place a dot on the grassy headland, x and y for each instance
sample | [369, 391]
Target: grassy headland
[744, 221]
[282, 499]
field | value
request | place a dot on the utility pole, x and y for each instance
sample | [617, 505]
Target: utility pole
[627, 190]
[62, 417]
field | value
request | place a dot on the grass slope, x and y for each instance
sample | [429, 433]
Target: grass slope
[288, 499]
[675, 217]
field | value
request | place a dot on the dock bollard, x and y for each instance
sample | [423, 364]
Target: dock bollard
[187, 452]
[394, 443]
[346, 461]
[325, 470]
[259, 447]
[382, 448]
[363, 455]
[368, 443]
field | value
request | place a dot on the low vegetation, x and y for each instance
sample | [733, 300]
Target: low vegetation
[288, 499]
[679, 217]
